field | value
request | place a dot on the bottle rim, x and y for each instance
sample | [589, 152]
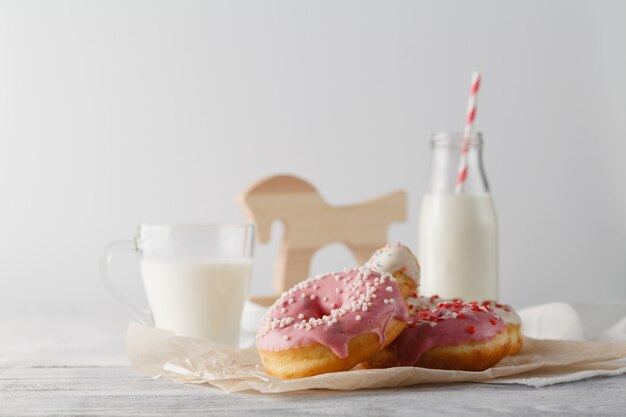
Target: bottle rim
[456, 139]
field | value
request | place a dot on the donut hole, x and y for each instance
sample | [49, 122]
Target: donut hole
[322, 305]
[318, 308]
[315, 309]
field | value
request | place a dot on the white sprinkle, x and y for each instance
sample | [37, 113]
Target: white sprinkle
[392, 301]
[312, 296]
[315, 287]
[302, 295]
[454, 315]
[338, 290]
[337, 277]
[389, 289]
[325, 299]
[373, 296]
[358, 317]
[432, 323]
[291, 301]
[283, 310]
[300, 316]
[364, 307]
[386, 301]
[393, 279]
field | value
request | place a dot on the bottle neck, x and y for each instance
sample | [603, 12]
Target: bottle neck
[447, 151]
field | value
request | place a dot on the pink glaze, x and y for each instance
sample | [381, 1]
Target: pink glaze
[508, 314]
[331, 309]
[434, 323]
[505, 311]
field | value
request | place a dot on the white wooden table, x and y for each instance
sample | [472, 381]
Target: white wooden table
[64, 365]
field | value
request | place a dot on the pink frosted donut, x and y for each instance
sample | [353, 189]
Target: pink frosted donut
[447, 335]
[331, 323]
[511, 320]
[399, 261]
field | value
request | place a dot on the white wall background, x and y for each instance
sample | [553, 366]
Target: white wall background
[117, 113]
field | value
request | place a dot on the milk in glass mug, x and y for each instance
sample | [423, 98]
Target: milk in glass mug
[196, 277]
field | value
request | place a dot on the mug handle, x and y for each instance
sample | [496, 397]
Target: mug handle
[143, 315]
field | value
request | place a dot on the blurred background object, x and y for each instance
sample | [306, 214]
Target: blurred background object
[310, 224]
[118, 113]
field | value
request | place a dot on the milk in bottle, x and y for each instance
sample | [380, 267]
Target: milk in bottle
[458, 236]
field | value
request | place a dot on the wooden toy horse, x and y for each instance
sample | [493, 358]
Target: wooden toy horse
[310, 223]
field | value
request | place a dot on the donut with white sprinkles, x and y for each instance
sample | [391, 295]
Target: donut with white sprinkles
[335, 321]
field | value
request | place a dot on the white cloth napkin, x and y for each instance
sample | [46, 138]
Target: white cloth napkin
[563, 321]
[250, 319]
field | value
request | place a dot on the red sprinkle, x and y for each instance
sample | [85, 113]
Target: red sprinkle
[471, 330]
[403, 268]
[507, 309]
[461, 315]
[493, 321]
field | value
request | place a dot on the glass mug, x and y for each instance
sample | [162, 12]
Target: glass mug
[196, 277]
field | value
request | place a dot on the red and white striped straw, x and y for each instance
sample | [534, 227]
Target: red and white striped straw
[467, 131]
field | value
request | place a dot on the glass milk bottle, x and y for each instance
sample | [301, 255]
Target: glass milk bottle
[458, 236]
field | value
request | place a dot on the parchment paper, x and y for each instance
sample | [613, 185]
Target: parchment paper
[160, 354]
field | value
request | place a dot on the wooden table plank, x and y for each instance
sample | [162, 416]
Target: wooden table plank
[74, 365]
[114, 391]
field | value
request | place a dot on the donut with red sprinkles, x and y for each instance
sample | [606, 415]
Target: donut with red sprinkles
[447, 334]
